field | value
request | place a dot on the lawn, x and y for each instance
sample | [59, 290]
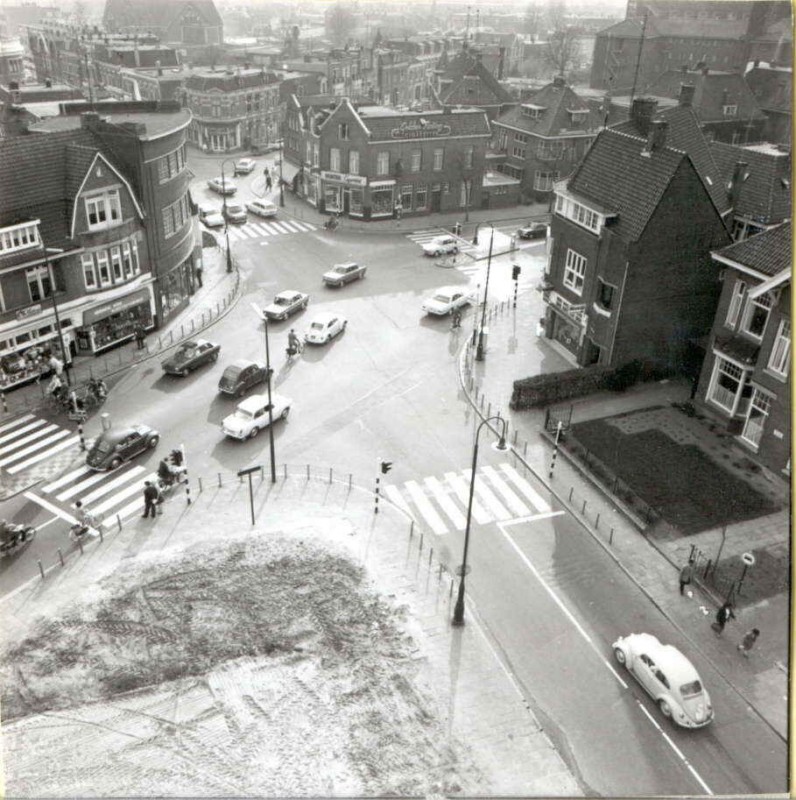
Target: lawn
[688, 489]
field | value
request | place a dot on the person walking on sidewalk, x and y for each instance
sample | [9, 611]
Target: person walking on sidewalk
[140, 336]
[723, 616]
[456, 318]
[150, 498]
[686, 574]
[748, 641]
[198, 274]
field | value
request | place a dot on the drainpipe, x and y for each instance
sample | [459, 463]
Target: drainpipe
[618, 310]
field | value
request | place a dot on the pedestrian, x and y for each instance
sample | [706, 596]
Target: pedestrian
[748, 641]
[198, 273]
[268, 183]
[140, 336]
[686, 574]
[150, 498]
[540, 327]
[723, 616]
[457, 318]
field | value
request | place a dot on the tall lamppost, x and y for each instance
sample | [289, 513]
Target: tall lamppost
[281, 158]
[479, 353]
[268, 371]
[51, 278]
[458, 610]
[224, 201]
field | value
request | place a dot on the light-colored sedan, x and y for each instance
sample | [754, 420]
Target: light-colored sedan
[252, 415]
[285, 304]
[223, 185]
[441, 245]
[263, 208]
[235, 213]
[324, 327]
[244, 166]
[446, 299]
[344, 273]
[211, 216]
[669, 678]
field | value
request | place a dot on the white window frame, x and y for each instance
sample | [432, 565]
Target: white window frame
[106, 207]
[383, 162]
[117, 268]
[518, 152]
[89, 271]
[730, 110]
[439, 159]
[765, 302]
[353, 162]
[575, 271]
[723, 366]
[756, 416]
[578, 213]
[779, 360]
[416, 161]
[334, 159]
[35, 275]
[736, 303]
[469, 152]
[104, 265]
[19, 237]
[543, 180]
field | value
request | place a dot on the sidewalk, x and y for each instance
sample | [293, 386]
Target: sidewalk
[481, 739]
[514, 352]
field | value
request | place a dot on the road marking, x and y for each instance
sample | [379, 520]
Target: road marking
[93, 477]
[426, 509]
[512, 501]
[36, 424]
[31, 437]
[15, 422]
[34, 447]
[462, 490]
[534, 517]
[445, 503]
[498, 510]
[395, 495]
[66, 443]
[291, 227]
[111, 485]
[64, 479]
[51, 507]
[138, 486]
[259, 228]
[536, 499]
[124, 512]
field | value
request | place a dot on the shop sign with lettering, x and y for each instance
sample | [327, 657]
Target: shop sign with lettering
[420, 130]
[338, 177]
[107, 310]
[29, 311]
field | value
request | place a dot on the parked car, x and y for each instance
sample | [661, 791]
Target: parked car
[251, 415]
[189, 356]
[668, 676]
[211, 216]
[440, 245]
[240, 376]
[265, 147]
[324, 327]
[444, 300]
[243, 166]
[263, 208]
[117, 445]
[534, 230]
[223, 185]
[285, 304]
[344, 273]
[235, 213]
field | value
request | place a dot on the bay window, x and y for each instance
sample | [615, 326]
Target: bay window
[756, 315]
[736, 302]
[779, 360]
[574, 271]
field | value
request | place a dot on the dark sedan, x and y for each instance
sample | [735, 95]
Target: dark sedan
[240, 376]
[190, 356]
[535, 230]
[117, 445]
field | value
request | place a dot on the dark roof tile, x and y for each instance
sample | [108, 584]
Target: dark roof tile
[767, 253]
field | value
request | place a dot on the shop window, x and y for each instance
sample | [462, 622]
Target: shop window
[438, 158]
[116, 263]
[416, 160]
[103, 268]
[39, 285]
[779, 360]
[103, 211]
[381, 202]
[355, 204]
[334, 159]
[736, 302]
[421, 198]
[406, 198]
[353, 162]
[756, 315]
[383, 163]
[574, 271]
[89, 273]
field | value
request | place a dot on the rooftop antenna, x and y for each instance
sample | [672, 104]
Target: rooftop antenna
[467, 29]
[638, 60]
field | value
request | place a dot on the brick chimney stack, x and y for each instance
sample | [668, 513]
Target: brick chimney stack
[643, 111]
[739, 175]
[686, 98]
[656, 138]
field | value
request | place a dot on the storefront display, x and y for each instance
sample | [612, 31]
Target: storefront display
[381, 202]
[331, 199]
[115, 323]
[567, 333]
[175, 289]
[24, 357]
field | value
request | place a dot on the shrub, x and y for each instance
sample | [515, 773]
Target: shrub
[623, 377]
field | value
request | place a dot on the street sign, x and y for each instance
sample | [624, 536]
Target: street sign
[248, 470]
[748, 559]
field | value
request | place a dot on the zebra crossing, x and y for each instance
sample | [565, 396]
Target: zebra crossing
[259, 230]
[500, 494]
[28, 440]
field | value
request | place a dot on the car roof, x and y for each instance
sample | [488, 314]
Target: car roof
[241, 363]
[255, 401]
[345, 264]
[324, 316]
[667, 657]
[288, 293]
[117, 435]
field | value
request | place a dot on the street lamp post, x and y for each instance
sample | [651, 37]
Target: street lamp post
[224, 202]
[51, 277]
[281, 158]
[262, 316]
[479, 353]
[458, 610]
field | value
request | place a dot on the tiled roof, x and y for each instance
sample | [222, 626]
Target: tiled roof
[771, 87]
[469, 122]
[467, 73]
[684, 133]
[555, 120]
[711, 91]
[767, 253]
[765, 195]
[143, 14]
[614, 175]
[229, 82]
[78, 160]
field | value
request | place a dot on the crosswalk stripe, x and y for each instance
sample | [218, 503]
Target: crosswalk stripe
[30, 438]
[445, 503]
[289, 225]
[64, 479]
[51, 507]
[34, 447]
[310, 226]
[93, 477]
[302, 226]
[516, 505]
[14, 422]
[499, 511]
[272, 231]
[247, 233]
[124, 512]
[46, 454]
[426, 509]
[259, 228]
[111, 485]
[138, 486]
[280, 229]
[397, 498]
[32, 426]
[536, 499]
[462, 489]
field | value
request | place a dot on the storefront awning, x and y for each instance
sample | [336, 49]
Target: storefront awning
[99, 312]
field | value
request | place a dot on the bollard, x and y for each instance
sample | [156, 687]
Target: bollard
[611, 537]
[80, 545]
[450, 593]
[41, 568]
[284, 471]
[99, 531]
[571, 489]
[422, 535]
[219, 479]
[82, 437]
[430, 556]
[192, 327]
[597, 521]
[525, 449]
[489, 409]
[60, 556]
[182, 331]
[200, 485]
[583, 510]
[515, 436]
[707, 568]
[160, 344]
[5, 405]
[330, 474]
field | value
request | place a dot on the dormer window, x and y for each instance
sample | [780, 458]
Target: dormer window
[532, 111]
[730, 110]
[19, 237]
[578, 213]
[578, 115]
[103, 210]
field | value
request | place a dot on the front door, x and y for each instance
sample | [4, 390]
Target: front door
[436, 200]
[346, 200]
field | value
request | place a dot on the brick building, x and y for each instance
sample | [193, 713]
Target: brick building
[372, 162]
[232, 109]
[745, 379]
[107, 198]
[185, 22]
[630, 275]
[773, 89]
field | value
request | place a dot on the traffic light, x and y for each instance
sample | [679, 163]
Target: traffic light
[515, 272]
[386, 466]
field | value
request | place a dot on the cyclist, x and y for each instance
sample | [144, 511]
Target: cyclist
[293, 343]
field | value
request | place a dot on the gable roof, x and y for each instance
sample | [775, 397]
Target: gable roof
[765, 194]
[684, 133]
[155, 14]
[772, 88]
[614, 175]
[465, 72]
[558, 100]
[767, 253]
[631, 29]
[712, 90]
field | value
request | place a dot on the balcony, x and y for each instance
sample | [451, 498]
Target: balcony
[575, 312]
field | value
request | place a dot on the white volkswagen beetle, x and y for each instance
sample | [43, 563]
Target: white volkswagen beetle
[668, 676]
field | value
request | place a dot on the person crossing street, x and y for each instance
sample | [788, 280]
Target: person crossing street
[150, 499]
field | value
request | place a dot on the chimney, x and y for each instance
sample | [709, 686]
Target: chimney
[643, 111]
[656, 138]
[686, 98]
[159, 68]
[558, 80]
[739, 175]
[705, 70]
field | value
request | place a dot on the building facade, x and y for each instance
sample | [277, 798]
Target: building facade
[745, 379]
[371, 163]
[185, 22]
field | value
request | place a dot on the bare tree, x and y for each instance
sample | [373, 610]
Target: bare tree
[339, 23]
[563, 46]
